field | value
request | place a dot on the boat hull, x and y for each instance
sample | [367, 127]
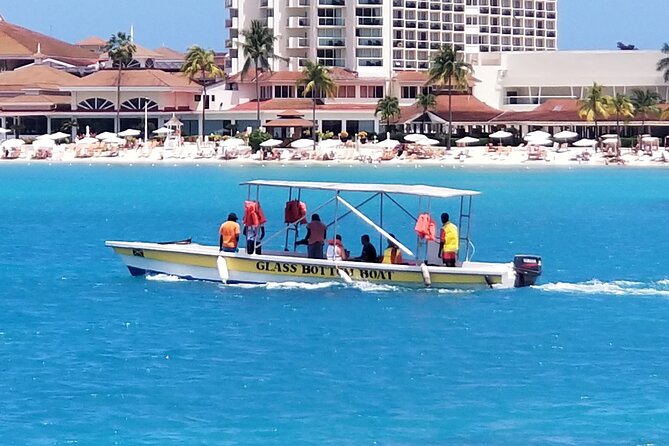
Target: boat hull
[199, 262]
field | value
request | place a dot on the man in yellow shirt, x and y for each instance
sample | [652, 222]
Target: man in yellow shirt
[448, 241]
[229, 234]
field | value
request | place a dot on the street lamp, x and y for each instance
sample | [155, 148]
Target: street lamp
[146, 120]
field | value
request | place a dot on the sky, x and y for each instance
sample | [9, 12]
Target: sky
[583, 24]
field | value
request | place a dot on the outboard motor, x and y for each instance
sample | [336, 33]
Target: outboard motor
[528, 268]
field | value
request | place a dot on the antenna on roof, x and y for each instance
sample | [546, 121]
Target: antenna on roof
[132, 33]
[2, 18]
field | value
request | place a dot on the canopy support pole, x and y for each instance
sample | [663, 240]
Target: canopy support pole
[382, 231]
[290, 197]
[346, 214]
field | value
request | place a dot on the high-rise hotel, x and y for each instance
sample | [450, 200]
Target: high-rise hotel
[375, 37]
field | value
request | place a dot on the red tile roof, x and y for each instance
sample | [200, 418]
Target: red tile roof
[16, 41]
[136, 78]
[554, 110]
[37, 76]
[300, 104]
[466, 108]
[33, 103]
[168, 53]
[289, 122]
[92, 41]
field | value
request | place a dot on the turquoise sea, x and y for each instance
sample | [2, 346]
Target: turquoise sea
[92, 356]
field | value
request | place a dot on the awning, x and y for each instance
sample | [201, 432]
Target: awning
[289, 122]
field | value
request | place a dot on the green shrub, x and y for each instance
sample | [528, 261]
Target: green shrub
[256, 138]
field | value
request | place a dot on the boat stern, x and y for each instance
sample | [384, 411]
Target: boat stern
[528, 269]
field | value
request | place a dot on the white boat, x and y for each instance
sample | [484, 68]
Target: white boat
[423, 267]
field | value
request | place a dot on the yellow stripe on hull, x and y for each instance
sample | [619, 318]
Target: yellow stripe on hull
[180, 258]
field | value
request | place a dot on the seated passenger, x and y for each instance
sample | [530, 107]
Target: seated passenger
[336, 249]
[392, 253]
[368, 253]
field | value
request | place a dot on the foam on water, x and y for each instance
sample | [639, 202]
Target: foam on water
[613, 288]
[164, 278]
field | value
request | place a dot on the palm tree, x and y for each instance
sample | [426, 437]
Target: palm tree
[318, 83]
[201, 63]
[645, 103]
[663, 64]
[389, 108]
[595, 105]
[426, 101]
[448, 69]
[258, 47]
[120, 50]
[621, 106]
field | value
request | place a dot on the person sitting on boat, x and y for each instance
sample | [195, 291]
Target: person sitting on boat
[315, 238]
[368, 253]
[336, 249]
[229, 234]
[448, 241]
[254, 235]
[392, 253]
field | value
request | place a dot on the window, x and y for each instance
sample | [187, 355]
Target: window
[265, 92]
[409, 92]
[283, 91]
[139, 104]
[96, 104]
[371, 91]
[346, 91]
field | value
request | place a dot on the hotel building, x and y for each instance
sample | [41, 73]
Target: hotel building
[376, 37]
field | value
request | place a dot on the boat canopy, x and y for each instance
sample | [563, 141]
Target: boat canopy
[405, 189]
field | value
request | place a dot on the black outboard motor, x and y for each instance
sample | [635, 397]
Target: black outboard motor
[528, 268]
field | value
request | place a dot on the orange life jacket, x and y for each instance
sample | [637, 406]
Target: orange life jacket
[426, 228]
[295, 212]
[253, 214]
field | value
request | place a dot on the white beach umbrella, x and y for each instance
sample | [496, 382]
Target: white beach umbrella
[538, 134]
[58, 135]
[388, 143]
[611, 140]
[44, 143]
[87, 140]
[414, 137]
[12, 143]
[585, 143]
[270, 143]
[532, 138]
[105, 135]
[302, 144]
[609, 136]
[231, 143]
[46, 136]
[501, 134]
[649, 138]
[540, 141]
[4, 131]
[431, 142]
[129, 132]
[114, 140]
[467, 140]
[329, 144]
[163, 131]
[566, 134]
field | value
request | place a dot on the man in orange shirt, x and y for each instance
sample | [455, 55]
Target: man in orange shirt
[229, 234]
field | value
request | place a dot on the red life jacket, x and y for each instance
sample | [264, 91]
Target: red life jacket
[253, 214]
[426, 228]
[295, 212]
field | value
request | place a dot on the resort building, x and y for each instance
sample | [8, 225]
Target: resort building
[375, 37]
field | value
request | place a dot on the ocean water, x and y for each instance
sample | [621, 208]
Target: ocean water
[92, 356]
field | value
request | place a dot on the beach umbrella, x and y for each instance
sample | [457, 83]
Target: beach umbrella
[46, 136]
[501, 134]
[129, 132]
[566, 134]
[271, 143]
[302, 144]
[44, 143]
[87, 140]
[105, 135]
[59, 135]
[609, 136]
[231, 143]
[430, 142]
[329, 144]
[4, 131]
[163, 131]
[414, 137]
[538, 134]
[12, 143]
[585, 143]
[540, 141]
[648, 138]
[467, 140]
[532, 138]
[388, 143]
[611, 140]
[115, 140]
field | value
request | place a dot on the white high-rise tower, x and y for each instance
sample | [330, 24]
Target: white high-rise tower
[374, 37]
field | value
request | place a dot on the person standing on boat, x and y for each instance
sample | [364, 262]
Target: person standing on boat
[315, 238]
[392, 253]
[368, 253]
[254, 235]
[449, 241]
[229, 234]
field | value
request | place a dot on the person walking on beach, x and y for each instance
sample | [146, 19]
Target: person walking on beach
[315, 238]
[254, 235]
[448, 241]
[229, 234]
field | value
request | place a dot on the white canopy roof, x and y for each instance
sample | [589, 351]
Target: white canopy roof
[406, 189]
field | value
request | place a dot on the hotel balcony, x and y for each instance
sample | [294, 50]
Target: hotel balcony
[331, 2]
[331, 21]
[370, 21]
[268, 22]
[370, 2]
[267, 3]
[370, 62]
[232, 4]
[298, 3]
[298, 22]
[331, 42]
[370, 42]
[297, 43]
[332, 62]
